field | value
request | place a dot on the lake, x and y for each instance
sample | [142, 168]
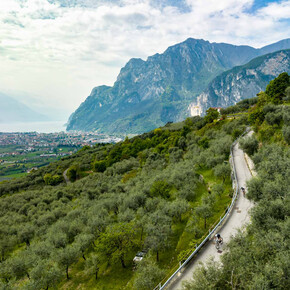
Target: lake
[40, 127]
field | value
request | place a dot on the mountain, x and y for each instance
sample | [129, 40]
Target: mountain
[280, 45]
[242, 82]
[12, 111]
[148, 94]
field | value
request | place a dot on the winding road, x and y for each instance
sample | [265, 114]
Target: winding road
[238, 219]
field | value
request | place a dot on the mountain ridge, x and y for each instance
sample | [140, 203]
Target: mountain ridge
[148, 94]
[11, 110]
[242, 82]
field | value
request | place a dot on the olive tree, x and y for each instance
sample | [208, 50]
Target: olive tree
[148, 275]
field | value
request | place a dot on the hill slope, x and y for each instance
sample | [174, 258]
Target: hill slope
[147, 94]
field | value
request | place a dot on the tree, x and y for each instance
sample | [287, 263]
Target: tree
[67, 256]
[222, 170]
[202, 280]
[5, 272]
[182, 143]
[21, 264]
[276, 88]
[160, 188]
[287, 93]
[211, 115]
[83, 241]
[204, 211]
[93, 264]
[59, 239]
[158, 230]
[72, 173]
[42, 249]
[26, 233]
[45, 274]
[249, 145]
[97, 223]
[6, 244]
[218, 189]
[148, 274]
[117, 241]
[178, 207]
[286, 133]
[100, 166]
[50, 179]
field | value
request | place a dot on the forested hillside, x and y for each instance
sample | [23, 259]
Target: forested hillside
[160, 192]
[259, 258]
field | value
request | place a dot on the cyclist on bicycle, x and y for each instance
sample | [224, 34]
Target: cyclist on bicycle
[218, 238]
[243, 190]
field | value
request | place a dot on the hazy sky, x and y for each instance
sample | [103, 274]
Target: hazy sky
[53, 52]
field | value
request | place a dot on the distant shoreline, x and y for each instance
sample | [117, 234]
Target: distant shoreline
[40, 127]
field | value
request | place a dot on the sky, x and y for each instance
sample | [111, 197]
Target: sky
[54, 52]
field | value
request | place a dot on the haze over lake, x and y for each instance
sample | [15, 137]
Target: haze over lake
[40, 127]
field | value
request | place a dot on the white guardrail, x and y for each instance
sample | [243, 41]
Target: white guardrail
[236, 186]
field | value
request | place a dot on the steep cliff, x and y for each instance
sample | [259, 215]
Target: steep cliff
[241, 82]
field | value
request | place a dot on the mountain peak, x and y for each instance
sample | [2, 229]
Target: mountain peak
[148, 94]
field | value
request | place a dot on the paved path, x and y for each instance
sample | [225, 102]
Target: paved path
[65, 177]
[238, 218]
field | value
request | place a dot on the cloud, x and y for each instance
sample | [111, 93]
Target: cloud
[61, 49]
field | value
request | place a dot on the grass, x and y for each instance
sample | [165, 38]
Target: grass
[11, 176]
[187, 239]
[108, 277]
[24, 161]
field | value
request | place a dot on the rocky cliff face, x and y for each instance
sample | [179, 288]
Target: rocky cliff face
[147, 94]
[241, 82]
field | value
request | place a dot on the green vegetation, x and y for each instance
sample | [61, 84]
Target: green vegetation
[259, 258]
[16, 165]
[160, 191]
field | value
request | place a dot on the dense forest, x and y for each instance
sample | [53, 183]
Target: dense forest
[79, 222]
[259, 258]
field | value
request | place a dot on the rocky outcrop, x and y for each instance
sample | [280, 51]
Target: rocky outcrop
[241, 82]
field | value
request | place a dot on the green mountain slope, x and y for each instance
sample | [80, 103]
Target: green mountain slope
[160, 192]
[259, 257]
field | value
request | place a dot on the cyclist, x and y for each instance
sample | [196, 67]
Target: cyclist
[243, 190]
[218, 238]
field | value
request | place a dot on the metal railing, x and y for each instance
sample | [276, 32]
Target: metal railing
[222, 218]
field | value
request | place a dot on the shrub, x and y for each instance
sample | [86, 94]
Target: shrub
[100, 166]
[273, 118]
[72, 173]
[276, 88]
[286, 133]
[249, 145]
[160, 188]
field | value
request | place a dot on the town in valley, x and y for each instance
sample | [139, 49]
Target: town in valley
[20, 153]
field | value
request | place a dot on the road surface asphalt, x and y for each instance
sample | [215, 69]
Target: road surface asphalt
[237, 219]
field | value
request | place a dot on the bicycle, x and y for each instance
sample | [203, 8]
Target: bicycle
[244, 191]
[218, 242]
